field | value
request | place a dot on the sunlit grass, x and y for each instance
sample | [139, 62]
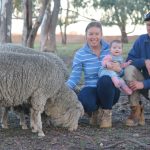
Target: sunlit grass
[69, 49]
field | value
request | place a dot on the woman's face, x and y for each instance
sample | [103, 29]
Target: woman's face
[93, 36]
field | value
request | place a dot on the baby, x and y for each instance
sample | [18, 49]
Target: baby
[115, 56]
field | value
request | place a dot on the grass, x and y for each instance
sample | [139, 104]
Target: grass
[69, 49]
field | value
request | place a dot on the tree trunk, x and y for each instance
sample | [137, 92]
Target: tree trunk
[45, 29]
[27, 26]
[124, 37]
[66, 23]
[53, 23]
[5, 21]
[29, 31]
[48, 28]
[33, 32]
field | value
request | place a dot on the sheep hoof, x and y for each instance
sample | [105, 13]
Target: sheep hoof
[41, 134]
[73, 128]
[4, 126]
[34, 130]
[24, 127]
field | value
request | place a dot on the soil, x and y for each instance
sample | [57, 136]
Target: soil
[86, 137]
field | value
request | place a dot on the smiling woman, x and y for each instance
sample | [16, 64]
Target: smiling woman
[88, 59]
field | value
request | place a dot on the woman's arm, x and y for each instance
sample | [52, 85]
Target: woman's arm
[75, 75]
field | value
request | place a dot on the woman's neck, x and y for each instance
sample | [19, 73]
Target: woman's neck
[96, 50]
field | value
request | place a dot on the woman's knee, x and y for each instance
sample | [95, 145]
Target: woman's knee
[88, 97]
[105, 81]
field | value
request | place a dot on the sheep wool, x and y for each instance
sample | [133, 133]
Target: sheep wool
[16, 48]
[48, 73]
[28, 79]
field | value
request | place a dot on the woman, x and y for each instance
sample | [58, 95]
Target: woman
[98, 94]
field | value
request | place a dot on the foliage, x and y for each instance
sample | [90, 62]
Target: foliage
[81, 3]
[117, 12]
[17, 8]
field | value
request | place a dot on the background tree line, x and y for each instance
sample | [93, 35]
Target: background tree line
[47, 14]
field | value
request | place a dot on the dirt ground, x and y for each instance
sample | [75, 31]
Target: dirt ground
[87, 137]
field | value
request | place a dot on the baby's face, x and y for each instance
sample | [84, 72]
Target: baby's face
[116, 49]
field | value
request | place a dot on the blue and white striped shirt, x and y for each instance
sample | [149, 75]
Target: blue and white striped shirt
[88, 62]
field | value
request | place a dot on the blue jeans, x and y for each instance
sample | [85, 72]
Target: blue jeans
[105, 95]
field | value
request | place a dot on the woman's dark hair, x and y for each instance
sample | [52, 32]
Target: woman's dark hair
[93, 24]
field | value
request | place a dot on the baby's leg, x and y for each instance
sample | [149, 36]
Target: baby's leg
[116, 81]
[124, 87]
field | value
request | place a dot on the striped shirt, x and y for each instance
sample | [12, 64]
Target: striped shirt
[88, 62]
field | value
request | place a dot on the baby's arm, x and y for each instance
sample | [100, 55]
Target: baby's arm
[125, 64]
[107, 61]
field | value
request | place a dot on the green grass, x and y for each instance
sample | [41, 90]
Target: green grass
[126, 48]
[69, 49]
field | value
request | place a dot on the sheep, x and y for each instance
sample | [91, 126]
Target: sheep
[9, 47]
[28, 79]
[67, 103]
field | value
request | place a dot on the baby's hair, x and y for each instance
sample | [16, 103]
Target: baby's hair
[115, 41]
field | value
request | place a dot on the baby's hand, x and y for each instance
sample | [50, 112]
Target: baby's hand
[124, 65]
[129, 62]
[109, 65]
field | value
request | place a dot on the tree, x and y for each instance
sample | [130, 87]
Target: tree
[66, 17]
[121, 13]
[30, 29]
[48, 28]
[5, 20]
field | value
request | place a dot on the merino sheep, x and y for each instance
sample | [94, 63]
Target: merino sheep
[70, 109]
[28, 79]
[16, 48]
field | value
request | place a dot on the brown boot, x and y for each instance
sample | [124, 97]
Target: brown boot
[105, 118]
[136, 117]
[93, 119]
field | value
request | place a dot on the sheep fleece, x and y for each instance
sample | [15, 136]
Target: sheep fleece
[63, 108]
[16, 48]
[27, 79]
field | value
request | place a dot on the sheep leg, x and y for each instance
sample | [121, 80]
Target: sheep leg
[22, 120]
[4, 117]
[36, 122]
[39, 124]
[32, 121]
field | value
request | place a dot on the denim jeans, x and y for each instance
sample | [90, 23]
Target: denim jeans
[105, 95]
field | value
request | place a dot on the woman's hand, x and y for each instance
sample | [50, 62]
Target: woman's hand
[115, 66]
[136, 85]
[147, 64]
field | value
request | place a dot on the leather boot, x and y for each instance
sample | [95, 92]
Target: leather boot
[93, 119]
[136, 117]
[105, 118]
